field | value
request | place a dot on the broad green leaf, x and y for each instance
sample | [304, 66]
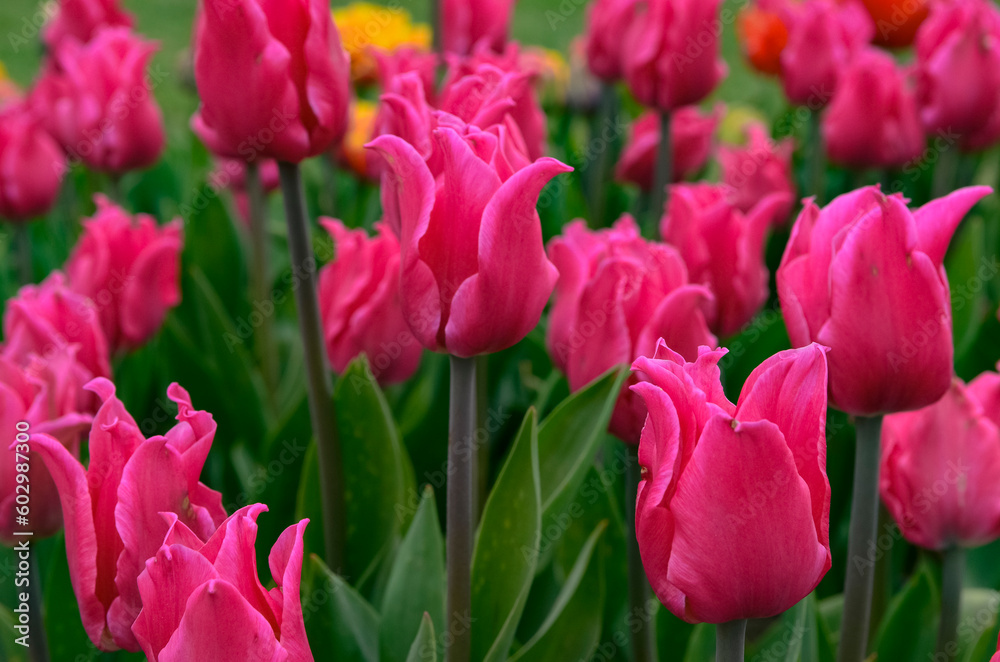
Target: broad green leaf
[341, 625]
[967, 265]
[701, 645]
[573, 627]
[977, 626]
[909, 629]
[67, 638]
[308, 505]
[503, 562]
[416, 583]
[9, 649]
[423, 648]
[798, 635]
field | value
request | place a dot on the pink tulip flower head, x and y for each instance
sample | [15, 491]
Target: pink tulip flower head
[758, 169]
[80, 20]
[32, 164]
[692, 136]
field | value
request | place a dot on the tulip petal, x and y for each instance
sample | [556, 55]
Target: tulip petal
[153, 287]
[938, 219]
[285, 563]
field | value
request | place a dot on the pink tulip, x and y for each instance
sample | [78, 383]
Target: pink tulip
[360, 304]
[130, 269]
[864, 276]
[45, 394]
[824, 36]
[692, 136]
[607, 21]
[671, 52]
[273, 78]
[96, 99]
[873, 120]
[474, 274]
[32, 165]
[723, 247]
[114, 508]
[758, 169]
[466, 24]
[404, 60]
[80, 20]
[204, 600]
[733, 511]
[958, 66]
[616, 295]
[50, 318]
[940, 474]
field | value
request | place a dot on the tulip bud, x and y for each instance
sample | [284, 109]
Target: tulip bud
[31, 165]
[607, 21]
[467, 24]
[80, 20]
[761, 168]
[692, 137]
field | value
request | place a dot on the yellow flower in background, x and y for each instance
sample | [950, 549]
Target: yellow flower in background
[553, 72]
[9, 91]
[352, 152]
[364, 25]
[732, 129]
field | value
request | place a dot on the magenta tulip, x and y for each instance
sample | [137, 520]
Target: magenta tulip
[360, 304]
[671, 52]
[466, 24]
[97, 100]
[758, 169]
[692, 135]
[940, 475]
[273, 78]
[80, 20]
[617, 294]
[130, 269]
[114, 508]
[202, 598]
[723, 247]
[474, 274]
[607, 21]
[872, 121]
[733, 511]
[864, 276]
[32, 165]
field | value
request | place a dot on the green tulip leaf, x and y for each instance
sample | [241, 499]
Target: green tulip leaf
[423, 648]
[341, 625]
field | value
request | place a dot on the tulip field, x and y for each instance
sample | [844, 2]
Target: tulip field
[485, 330]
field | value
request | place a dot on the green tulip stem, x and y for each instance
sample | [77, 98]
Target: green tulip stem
[946, 172]
[863, 532]
[662, 178]
[260, 283]
[319, 383]
[600, 169]
[817, 158]
[729, 640]
[38, 651]
[639, 592]
[462, 472]
[951, 601]
[22, 248]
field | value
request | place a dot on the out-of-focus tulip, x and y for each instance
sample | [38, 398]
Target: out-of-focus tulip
[32, 164]
[873, 119]
[368, 29]
[940, 475]
[691, 138]
[475, 277]
[360, 304]
[671, 52]
[733, 511]
[80, 20]
[468, 24]
[758, 169]
[896, 22]
[864, 276]
[48, 319]
[232, 174]
[607, 21]
[958, 66]
[823, 39]
[114, 508]
[403, 60]
[723, 247]
[273, 79]
[9, 90]
[130, 269]
[204, 600]
[763, 34]
[46, 394]
[617, 294]
[352, 152]
[96, 99]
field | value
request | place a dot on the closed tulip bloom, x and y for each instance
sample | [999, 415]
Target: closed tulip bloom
[692, 136]
[32, 165]
[763, 34]
[733, 510]
[823, 39]
[273, 79]
[723, 247]
[130, 268]
[758, 169]
[466, 24]
[202, 599]
[958, 66]
[864, 276]
[114, 508]
[80, 20]
[940, 474]
[617, 294]
[661, 67]
[360, 304]
[873, 120]
[45, 394]
[97, 100]
[474, 275]
[607, 21]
